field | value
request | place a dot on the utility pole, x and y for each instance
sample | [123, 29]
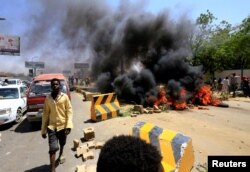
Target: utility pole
[33, 66]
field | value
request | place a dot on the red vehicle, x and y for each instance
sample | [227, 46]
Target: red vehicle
[38, 90]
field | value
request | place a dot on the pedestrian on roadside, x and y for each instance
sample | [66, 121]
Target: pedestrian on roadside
[72, 80]
[87, 81]
[245, 86]
[56, 122]
[219, 87]
[129, 154]
[225, 85]
[233, 83]
[214, 84]
[76, 78]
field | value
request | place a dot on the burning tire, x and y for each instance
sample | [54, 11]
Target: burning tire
[223, 105]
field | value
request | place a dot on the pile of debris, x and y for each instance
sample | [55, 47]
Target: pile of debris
[163, 102]
[139, 109]
[181, 100]
[86, 150]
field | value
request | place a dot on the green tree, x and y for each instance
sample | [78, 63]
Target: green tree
[240, 45]
[201, 34]
[209, 43]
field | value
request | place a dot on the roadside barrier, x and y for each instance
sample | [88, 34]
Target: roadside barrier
[175, 148]
[104, 106]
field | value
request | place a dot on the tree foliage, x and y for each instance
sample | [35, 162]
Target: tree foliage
[220, 46]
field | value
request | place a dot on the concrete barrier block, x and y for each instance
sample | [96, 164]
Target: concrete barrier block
[104, 106]
[175, 148]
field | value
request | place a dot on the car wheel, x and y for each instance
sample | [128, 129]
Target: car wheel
[19, 115]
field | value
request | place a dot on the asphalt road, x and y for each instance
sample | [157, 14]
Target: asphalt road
[22, 149]
[214, 131]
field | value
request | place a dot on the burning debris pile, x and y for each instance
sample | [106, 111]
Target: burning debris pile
[203, 96]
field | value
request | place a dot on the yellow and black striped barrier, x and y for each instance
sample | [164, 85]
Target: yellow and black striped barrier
[104, 106]
[176, 149]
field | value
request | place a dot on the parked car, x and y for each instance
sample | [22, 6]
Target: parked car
[37, 92]
[13, 81]
[13, 103]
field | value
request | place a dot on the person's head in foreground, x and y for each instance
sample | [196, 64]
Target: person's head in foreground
[128, 154]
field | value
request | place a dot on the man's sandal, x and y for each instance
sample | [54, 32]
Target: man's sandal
[62, 159]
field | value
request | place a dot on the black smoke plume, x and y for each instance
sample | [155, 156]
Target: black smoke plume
[130, 51]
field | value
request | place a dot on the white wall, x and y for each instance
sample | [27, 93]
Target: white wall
[227, 73]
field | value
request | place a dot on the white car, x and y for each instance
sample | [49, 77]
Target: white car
[13, 81]
[13, 103]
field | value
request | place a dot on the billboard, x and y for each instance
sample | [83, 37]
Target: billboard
[32, 65]
[66, 72]
[81, 65]
[9, 45]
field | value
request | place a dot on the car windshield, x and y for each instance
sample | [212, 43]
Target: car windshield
[9, 93]
[44, 88]
[11, 82]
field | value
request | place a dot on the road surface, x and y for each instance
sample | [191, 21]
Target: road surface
[216, 131]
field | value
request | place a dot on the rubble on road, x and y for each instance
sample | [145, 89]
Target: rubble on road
[89, 133]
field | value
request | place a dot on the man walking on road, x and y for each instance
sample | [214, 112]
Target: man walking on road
[56, 122]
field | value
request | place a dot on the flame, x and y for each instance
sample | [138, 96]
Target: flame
[180, 105]
[161, 98]
[215, 102]
[204, 96]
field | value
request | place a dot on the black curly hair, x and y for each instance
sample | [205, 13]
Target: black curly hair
[55, 79]
[126, 153]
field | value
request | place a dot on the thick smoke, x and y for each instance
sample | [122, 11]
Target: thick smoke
[114, 41]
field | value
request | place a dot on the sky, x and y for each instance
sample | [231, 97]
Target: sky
[36, 23]
[233, 11]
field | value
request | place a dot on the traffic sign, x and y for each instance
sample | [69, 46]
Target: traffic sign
[30, 64]
[81, 65]
[66, 72]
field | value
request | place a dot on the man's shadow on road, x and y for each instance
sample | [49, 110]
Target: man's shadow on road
[25, 126]
[42, 168]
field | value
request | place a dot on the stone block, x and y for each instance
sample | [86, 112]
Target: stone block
[87, 155]
[80, 168]
[91, 168]
[81, 150]
[76, 144]
[99, 145]
[138, 108]
[91, 144]
[88, 133]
